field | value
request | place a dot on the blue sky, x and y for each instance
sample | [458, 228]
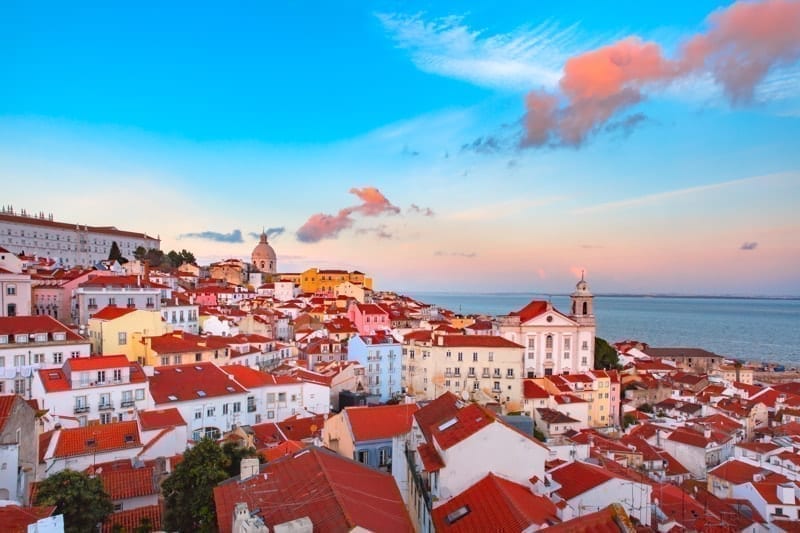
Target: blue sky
[210, 118]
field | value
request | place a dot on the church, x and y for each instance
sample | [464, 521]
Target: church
[264, 258]
[554, 342]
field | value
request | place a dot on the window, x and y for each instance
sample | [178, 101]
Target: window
[19, 360]
[101, 376]
[476, 385]
[165, 360]
[177, 359]
[251, 404]
[225, 409]
[112, 301]
[19, 386]
[509, 372]
[448, 354]
[566, 343]
[548, 342]
[237, 407]
[362, 456]
[460, 356]
[282, 397]
[127, 398]
[105, 418]
[472, 371]
[585, 346]
[270, 414]
[92, 304]
[474, 356]
[11, 310]
[122, 337]
[38, 358]
[457, 371]
[270, 397]
[198, 357]
[74, 355]
[491, 357]
[11, 290]
[117, 374]
[496, 387]
[139, 394]
[198, 414]
[210, 411]
[384, 456]
[497, 372]
[58, 358]
[130, 302]
[105, 401]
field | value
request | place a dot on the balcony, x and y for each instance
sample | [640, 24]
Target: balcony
[251, 408]
[496, 390]
[127, 403]
[81, 409]
[448, 374]
[105, 406]
[485, 374]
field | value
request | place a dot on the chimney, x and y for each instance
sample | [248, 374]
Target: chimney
[248, 468]
[707, 432]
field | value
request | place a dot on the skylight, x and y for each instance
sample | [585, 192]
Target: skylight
[201, 393]
[458, 514]
[172, 397]
[450, 423]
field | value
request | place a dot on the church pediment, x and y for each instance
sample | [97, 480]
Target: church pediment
[550, 318]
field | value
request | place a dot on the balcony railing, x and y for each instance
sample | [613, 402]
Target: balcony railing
[127, 403]
[105, 406]
[422, 488]
[81, 409]
[251, 408]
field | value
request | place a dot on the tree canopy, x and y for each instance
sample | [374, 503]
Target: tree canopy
[80, 498]
[189, 490]
[235, 454]
[605, 356]
[115, 254]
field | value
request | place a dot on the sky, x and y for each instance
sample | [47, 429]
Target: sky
[436, 146]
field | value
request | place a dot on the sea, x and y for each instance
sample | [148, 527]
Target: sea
[748, 329]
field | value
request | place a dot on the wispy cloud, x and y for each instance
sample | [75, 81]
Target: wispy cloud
[502, 209]
[234, 237]
[665, 195]
[271, 232]
[468, 255]
[749, 246]
[424, 211]
[380, 231]
[524, 58]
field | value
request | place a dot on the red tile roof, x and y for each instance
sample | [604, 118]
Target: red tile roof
[251, 377]
[689, 437]
[578, 477]
[106, 437]
[467, 421]
[380, 422]
[122, 480]
[738, 472]
[131, 519]
[533, 391]
[495, 504]
[431, 460]
[6, 405]
[112, 312]
[97, 362]
[189, 382]
[283, 449]
[612, 519]
[15, 325]
[335, 493]
[54, 380]
[16, 519]
[532, 310]
[476, 341]
[160, 418]
[437, 411]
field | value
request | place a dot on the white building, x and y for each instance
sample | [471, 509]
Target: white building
[89, 390]
[555, 343]
[68, 244]
[120, 291]
[28, 343]
[15, 286]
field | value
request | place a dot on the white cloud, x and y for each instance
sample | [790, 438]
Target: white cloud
[520, 60]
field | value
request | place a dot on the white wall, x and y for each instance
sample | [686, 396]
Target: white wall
[635, 497]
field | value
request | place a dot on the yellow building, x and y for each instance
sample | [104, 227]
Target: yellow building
[179, 348]
[326, 280]
[116, 330]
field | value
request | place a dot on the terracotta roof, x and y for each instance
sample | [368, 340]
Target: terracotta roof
[251, 377]
[437, 411]
[578, 477]
[477, 341]
[679, 352]
[283, 449]
[738, 472]
[122, 480]
[16, 519]
[494, 504]
[15, 325]
[467, 421]
[97, 362]
[190, 382]
[6, 405]
[612, 519]
[97, 439]
[160, 418]
[769, 492]
[131, 519]
[431, 460]
[335, 493]
[551, 416]
[532, 310]
[689, 437]
[533, 391]
[380, 422]
[112, 312]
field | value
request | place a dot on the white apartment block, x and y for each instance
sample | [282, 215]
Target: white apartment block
[66, 243]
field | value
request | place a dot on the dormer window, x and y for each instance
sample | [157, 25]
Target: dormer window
[21, 338]
[3, 339]
[59, 336]
[40, 337]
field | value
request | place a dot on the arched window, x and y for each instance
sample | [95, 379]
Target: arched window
[548, 342]
[585, 308]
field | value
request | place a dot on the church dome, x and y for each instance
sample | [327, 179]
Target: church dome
[264, 257]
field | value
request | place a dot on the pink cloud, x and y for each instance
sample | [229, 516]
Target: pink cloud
[577, 271]
[323, 226]
[744, 42]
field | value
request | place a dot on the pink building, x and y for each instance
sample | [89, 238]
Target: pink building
[368, 318]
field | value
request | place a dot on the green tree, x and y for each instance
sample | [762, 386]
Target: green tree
[140, 253]
[115, 254]
[189, 490]
[646, 408]
[80, 498]
[187, 257]
[174, 259]
[605, 356]
[235, 454]
[629, 420]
